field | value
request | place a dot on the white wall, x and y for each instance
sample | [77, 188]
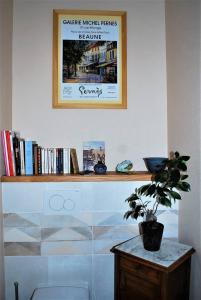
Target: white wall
[183, 90]
[5, 67]
[129, 134]
[5, 97]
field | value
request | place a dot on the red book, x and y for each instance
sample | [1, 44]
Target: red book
[10, 154]
[5, 153]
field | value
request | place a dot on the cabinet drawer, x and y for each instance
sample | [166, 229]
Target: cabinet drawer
[135, 288]
[140, 270]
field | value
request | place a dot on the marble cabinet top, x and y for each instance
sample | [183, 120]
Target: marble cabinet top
[168, 254]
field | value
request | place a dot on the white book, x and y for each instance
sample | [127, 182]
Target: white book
[49, 161]
[43, 160]
[46, 161]
[66, 160]
[54, 161]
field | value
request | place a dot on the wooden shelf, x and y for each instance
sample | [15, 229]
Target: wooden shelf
[109, 176]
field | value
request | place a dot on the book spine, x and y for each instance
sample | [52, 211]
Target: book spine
[10, 156]
[52, 160]
[28, 158]
[16, 149]
[39, 160]
[43, 160]
[66, 161]
[35, 159]
[12, 152]
[5, 152]
[46, 160]
[22, 158]
[49, 161]
[55, 161]
[61, 161]
[75, 165]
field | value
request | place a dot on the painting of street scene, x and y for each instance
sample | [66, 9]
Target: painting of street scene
[89, 62]
[93, 151]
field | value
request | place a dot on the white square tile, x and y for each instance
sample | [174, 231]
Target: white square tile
[70, 269]
[103, 277]
[111, 196]
[66, 200]
[23, 197]
[30, 272]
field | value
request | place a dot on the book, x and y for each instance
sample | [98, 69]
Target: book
[66, 160]
[39, 160]
[74, 160]
[10, 152]
[29, 157]
[22, 157]
[35, 159]
[5, 152]
[93, 152]
[16, 150]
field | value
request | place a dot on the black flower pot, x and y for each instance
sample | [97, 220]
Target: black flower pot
[152, 233]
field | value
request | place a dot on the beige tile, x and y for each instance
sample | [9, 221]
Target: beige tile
[66, 234]
[21, 249]
[29, 234]
[65, 248]
[22, 220]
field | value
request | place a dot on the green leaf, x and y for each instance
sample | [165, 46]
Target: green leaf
[151, 190]
[175, 175]
[185, 157]
[165, 201]
[132, 204]
[175, 195]
[132, 197]
[183, 186]
[135, 215]
[161, 176]
[182, 166]
[176, 154]
[183, 177]
[128, 214]
[160, 191]
[143, 189]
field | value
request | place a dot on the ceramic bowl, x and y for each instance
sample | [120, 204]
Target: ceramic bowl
[155, 164]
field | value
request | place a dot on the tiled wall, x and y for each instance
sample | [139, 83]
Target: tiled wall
[58, 233]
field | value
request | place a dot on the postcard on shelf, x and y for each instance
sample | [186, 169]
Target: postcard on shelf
[93, 151]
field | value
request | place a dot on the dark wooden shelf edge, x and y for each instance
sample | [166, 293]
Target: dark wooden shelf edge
[109, 176]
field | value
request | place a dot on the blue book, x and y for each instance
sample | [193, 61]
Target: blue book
[28, 157]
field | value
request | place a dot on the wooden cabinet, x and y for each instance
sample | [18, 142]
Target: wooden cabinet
[145, 275]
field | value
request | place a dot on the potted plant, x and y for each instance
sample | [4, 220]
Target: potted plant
[165, 187]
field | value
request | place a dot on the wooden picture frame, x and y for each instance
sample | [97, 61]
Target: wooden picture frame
[89, 59]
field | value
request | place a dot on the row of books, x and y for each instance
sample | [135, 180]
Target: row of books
[25, 157]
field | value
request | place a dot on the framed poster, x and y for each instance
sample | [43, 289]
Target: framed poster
[89, 59]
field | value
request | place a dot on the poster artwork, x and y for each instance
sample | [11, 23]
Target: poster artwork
[89, 64]
[89, 58]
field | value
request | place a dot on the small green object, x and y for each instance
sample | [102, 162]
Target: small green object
[124, 167]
